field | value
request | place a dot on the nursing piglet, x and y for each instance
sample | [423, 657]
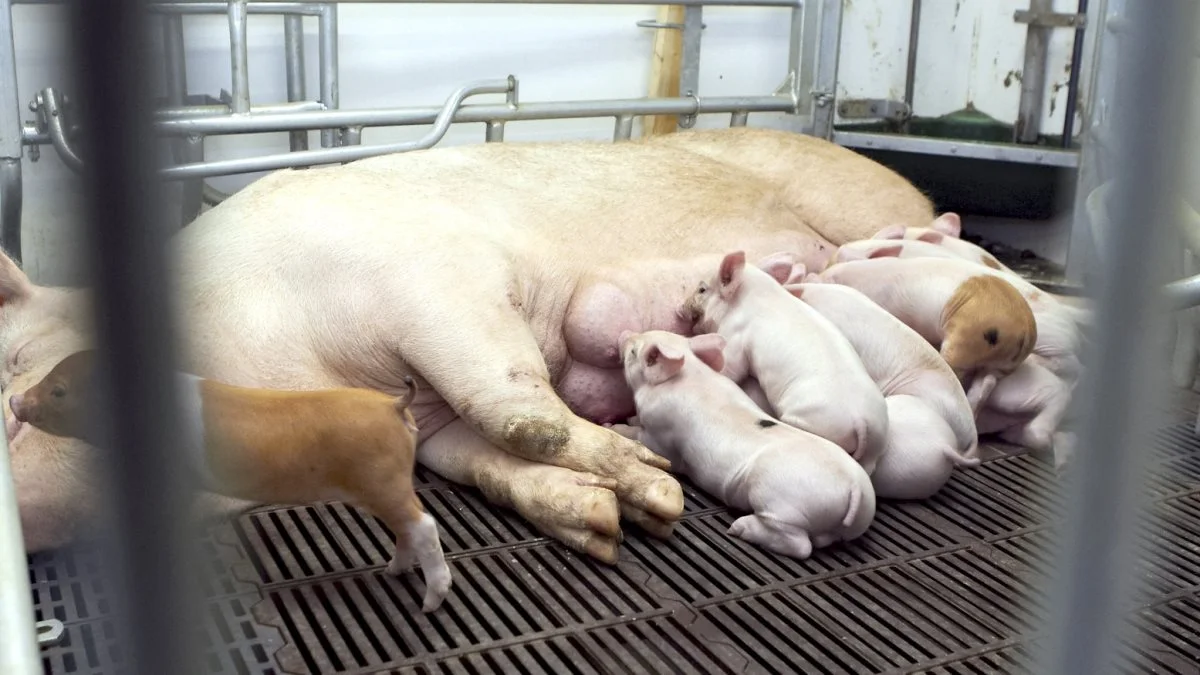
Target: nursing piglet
[804, 491]
[979, 323]
[931, 427]
[810, 373]
[1028, 407]
[294, 447]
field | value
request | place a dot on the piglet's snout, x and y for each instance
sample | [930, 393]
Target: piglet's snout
[15, 402]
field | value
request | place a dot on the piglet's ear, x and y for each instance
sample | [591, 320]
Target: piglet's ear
[710, 347]
[795, 289]
[14, 285]
[931, 236]
[623, 338]
[848, 252]
[778, 265]
[730, 274]
[886, 252]
[890, 232]
[662, 363]
[796, 274]
[948, 224]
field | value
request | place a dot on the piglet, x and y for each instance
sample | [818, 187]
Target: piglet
[804, 491]
[1059, 323]
[980, 324]
[294, 447]
[810, 373]
[1028, 407]
[931, 427]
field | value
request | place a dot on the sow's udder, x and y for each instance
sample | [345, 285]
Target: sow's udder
[593, 382]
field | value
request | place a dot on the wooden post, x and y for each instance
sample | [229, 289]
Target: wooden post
[664, 69]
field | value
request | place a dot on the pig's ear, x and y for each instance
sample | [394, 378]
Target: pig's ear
[778, 265]
[710, 347]
[730, 275]
[14, 285]
[847, 253]
[662, 363]
[625, 335]
[948, 224]
[812, 278]
[891, 232]
[931, 237]
[796, 274]
[795, 289]
[886, 252]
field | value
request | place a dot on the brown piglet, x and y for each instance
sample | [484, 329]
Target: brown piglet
[287, 447]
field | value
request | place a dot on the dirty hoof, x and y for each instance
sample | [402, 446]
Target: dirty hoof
[598, 546]
[655, 527]
[652, 492]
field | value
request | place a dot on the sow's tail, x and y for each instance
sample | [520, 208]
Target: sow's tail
[403, 401]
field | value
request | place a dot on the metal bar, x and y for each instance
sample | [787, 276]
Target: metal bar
[1033, 76]
[176, 64]
[200, 111]
[623, 128]
[686, 3]
[345, 154]
[293, 48]
[825, 75]
[11, 132]
[1093, 577]
[239, 56]
[191, 150]
[352, 136]
[1073, 80]
[57, 128]
[328, 38]
[974, 150]
[495, 132]
[689, 67]
[479, 114]
[914, 35]
[20, 654]
[152, 552]
[738, 118]
[252, 7]
[1183, 294]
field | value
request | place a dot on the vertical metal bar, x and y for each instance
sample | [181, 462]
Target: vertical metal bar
[191, 150]
[293, 48]
[19, 654]
[1033, 75]
[176, 65]
[155, 581]
[352, 136]
[825, 75]
[1073, 79]
[689, 69]
[328, 38]
[1093, 576]
[239, 56]
[624, 128]
[10, 139]
[495, 132]
[738, 119]
[914, 36]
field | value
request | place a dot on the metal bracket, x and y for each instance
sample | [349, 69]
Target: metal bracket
[651, 23]
[1050, 19]
[874, 108]
[49, 632]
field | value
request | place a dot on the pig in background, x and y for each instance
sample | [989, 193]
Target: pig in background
[931, 427]
[804, 491]
[809, 372]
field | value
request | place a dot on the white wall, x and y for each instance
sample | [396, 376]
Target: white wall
[409, 55]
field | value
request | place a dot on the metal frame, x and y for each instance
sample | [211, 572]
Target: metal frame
[807, 93]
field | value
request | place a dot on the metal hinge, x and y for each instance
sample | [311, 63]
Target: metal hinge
[873, 108]
[1050, 19]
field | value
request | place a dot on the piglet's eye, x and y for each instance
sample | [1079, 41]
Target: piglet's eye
[59, 391]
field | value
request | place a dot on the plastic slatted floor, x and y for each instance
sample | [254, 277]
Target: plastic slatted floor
[949, 585]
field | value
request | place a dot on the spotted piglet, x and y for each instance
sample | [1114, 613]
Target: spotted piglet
[811, 375]
[804, 491]
[979, 322]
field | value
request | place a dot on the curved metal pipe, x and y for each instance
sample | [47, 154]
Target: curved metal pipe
[213, 196]
[57, 130]
[344, 154]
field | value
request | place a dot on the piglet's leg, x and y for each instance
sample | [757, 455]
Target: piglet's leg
[487, 366]
[578, 509]
[775, 537]
[981, 388]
